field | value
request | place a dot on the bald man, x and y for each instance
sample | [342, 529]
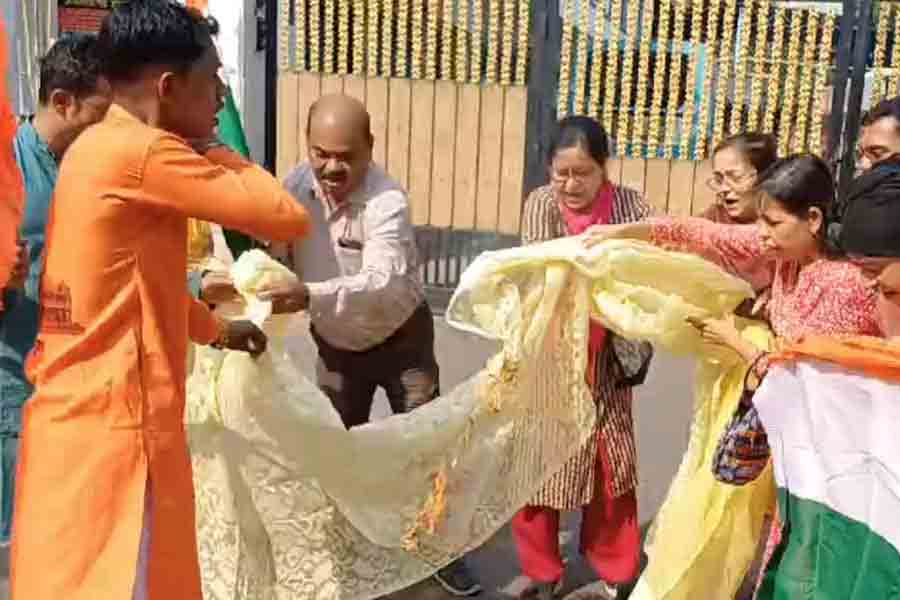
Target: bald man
[360, 279]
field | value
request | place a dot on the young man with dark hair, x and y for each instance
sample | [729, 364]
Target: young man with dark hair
[104, 498]
[72, 97]
[880, 135]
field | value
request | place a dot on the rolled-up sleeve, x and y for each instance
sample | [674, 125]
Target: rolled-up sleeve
[373, 304]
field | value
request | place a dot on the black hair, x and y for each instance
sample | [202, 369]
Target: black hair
[758, 149]
[581, 132]
[801, 182]
[889, 107]
[142, 33]
[72, 64]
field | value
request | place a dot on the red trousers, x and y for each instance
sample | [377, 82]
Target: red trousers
[610, 536]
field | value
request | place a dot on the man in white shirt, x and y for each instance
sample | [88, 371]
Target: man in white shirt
[360, 279]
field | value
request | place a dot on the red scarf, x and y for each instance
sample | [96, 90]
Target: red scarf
[577, 222]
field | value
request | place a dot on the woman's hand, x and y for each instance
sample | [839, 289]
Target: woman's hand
[723, 332]
[597, 234]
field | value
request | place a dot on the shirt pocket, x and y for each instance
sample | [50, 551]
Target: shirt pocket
[350, 260]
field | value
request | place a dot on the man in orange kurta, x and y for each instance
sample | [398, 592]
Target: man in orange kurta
[104, 470]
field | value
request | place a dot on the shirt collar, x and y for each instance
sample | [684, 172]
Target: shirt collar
[37, 143]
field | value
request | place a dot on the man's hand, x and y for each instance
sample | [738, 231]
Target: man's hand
[20, 268]
[243, 336]
[286, 298]
[216, 287]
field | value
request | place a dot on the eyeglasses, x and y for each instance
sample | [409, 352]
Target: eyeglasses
[578, 177]
[731, 180]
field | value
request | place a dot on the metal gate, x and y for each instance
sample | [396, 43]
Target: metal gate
[466, 93]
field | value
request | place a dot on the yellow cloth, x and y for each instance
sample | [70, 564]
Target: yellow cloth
[200, 243]
[291, 505]
[706, 534]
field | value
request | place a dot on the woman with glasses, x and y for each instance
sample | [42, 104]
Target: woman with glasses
[811, 291]
[737, 163]
[601, 478]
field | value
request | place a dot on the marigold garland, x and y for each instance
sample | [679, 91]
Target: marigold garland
[823, 65]
[675, 80]
[387, 38]
[509, 23]
[462, 43]
[284, 35]
[712, 34]
[788, 103]
[724, 76]
[760, 77]
[315, 38]
[524, 31]
[476, 62]
[740, 70]
[690, 105]
[494, 41]
[624, 139]
[581, 58]
[775, 81]
[880, 62]
[343, 37]
[654, 139]
[330, 50]
[565, 62]
[612, 68]
[643, 88]
[402, 66]
[807, 81]
[598, 56]
[447, 45]
[359, 36]
[894, 84]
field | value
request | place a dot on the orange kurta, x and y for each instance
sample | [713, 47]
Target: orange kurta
[110, 361]
[12, 192]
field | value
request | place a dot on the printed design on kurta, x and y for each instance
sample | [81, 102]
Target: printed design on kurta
[56, 309]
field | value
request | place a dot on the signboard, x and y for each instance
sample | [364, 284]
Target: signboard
[84, 15]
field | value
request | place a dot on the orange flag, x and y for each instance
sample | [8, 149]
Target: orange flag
[12, 190]
[200, 5]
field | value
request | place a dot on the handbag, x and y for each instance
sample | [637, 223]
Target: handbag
[743, 451]
[633, 360]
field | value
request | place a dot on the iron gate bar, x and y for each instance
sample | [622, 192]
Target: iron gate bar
[545, 47]
[857, 86]
[835, 153]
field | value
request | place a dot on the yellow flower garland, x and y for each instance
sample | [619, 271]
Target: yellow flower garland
[654, 139]
[687, 126]
[565, 62]
[612, 68]
[675, 78]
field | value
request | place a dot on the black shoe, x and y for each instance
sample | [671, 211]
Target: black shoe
[456, 579]
[541, 591]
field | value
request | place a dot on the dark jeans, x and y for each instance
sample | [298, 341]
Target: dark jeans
[404, 365]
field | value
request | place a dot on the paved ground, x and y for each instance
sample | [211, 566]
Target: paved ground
[662, 411]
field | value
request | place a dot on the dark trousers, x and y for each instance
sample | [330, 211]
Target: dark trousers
[404, 365]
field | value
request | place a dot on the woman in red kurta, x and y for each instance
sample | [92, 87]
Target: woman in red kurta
[104, 470]
[601, 478]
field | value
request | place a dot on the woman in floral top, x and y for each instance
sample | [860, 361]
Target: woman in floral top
[811, 292]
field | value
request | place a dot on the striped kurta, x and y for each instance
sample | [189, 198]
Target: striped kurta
[575, 485]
